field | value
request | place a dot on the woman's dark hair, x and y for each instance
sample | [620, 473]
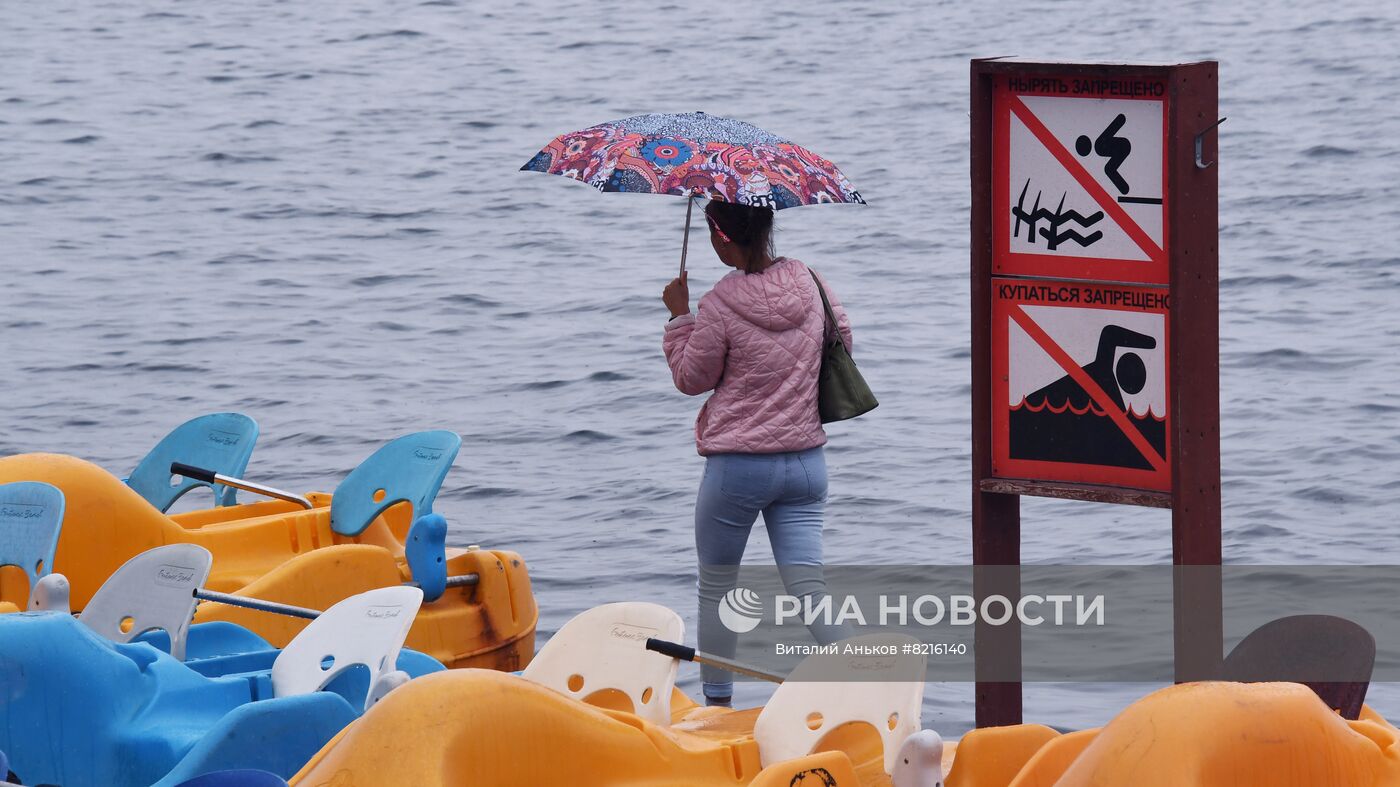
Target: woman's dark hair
[750, 228]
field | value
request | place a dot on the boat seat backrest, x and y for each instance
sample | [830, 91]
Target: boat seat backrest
[221, 442]
[410, 468]
[154, 590]
[815, 700]
[31, 517]
[1332, 656]
[605, 648]
[367, 629]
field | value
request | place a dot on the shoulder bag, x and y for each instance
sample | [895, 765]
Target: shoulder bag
[841, 392]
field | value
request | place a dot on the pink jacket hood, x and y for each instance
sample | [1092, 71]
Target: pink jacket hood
[775, 300]
[755, 340]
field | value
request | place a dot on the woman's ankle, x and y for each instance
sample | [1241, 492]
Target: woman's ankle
[718, 694]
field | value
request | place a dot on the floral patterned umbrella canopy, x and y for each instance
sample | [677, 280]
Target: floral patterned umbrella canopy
[695, 154]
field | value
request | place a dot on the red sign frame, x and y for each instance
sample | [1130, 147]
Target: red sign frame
[1006, 309]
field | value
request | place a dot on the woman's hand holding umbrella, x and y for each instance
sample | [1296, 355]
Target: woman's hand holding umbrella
[676, 296]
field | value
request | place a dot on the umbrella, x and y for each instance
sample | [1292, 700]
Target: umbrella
[692, 155]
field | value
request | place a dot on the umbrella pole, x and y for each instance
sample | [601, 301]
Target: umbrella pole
[685, 240]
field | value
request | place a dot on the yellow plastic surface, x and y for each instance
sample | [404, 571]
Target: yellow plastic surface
[477, 727]
[992, 756]
[1223, 735]
[280, 552]
[1050, 763]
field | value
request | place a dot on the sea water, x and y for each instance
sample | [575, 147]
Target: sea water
[311, 212]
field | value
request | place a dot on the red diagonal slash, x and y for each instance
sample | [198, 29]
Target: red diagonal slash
[1095, 189]
[1092, 388]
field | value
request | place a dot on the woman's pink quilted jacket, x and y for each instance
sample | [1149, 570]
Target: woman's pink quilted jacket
[756, 341]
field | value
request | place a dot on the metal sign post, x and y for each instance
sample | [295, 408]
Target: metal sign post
[1095, 334]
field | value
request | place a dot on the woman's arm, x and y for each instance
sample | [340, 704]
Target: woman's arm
[843, 322]
[695, 347]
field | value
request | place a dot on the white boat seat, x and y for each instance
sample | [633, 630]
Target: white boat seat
[154, 590]
[369, 629]
[813, 701]
[605, 648]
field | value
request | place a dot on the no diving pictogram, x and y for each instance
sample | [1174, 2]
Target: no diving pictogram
[1079, 181]
[1080, 383]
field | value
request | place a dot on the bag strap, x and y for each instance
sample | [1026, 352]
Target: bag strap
[831, 325]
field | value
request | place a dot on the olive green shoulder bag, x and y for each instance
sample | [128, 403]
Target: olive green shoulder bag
[841, 391]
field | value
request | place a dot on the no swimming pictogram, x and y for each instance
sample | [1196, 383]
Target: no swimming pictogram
[1080, 383]
[1079, 179]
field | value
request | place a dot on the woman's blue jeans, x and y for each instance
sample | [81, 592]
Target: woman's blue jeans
[789, 489]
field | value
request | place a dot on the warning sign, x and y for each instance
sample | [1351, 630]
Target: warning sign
[1079, 185]
[1080, 385]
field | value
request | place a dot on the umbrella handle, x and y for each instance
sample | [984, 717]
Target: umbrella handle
[685, 240]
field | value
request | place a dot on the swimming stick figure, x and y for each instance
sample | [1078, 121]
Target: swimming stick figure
[1128, 375]
[1110, 146]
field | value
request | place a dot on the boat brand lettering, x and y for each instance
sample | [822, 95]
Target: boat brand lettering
[224, 438]
[174, 576]
[630, 632]
[21, 511]
[383, 612]
[428, 454]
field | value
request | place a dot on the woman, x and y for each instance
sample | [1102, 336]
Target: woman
[756, 341]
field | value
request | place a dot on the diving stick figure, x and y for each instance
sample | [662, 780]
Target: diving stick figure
[1110, 146]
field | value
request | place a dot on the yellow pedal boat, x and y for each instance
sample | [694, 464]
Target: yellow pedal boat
[598, 707]
[278, 551]
[474, 727]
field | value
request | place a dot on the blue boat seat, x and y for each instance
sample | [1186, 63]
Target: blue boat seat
[218, 648]
[275, 736]
[99, 712]
[221, 442]
[31, 516]
[91, 711]
[408, 469]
